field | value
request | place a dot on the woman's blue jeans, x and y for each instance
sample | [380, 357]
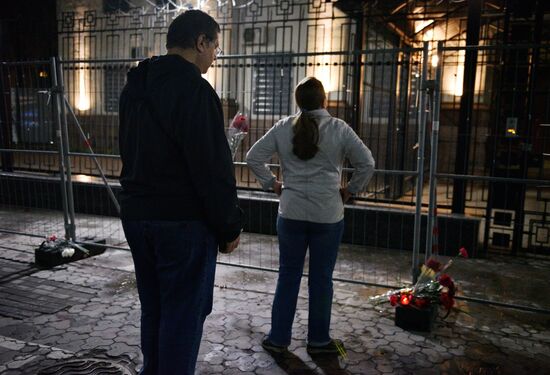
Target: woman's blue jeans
[295, 237]
[175, 263]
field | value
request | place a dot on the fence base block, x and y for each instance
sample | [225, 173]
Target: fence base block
[414, 319]
[54, 253]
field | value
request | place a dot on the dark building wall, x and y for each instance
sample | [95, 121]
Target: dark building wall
[28, 29]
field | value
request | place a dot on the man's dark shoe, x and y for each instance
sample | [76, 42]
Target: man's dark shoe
[335, 347]
[271, 347]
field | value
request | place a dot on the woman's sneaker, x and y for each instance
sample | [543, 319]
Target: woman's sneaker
[333, 347]
[271, 347]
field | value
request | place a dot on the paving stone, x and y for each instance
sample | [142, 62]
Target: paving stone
[108, 319]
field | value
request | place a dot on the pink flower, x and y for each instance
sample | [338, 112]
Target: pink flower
[53, 237]
[463, 253]
[240, 122]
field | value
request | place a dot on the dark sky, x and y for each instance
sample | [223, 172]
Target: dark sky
[28, 29]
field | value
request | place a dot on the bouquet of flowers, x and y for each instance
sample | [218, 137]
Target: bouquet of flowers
[237, 132]
[55, 251]
[434, 287]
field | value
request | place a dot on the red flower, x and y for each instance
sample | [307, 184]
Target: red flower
[53, 237]
[421, 302]
[445, 280]
[463, 253]
[446, 300]
[433, 264]
[393, 299]
[240, 122]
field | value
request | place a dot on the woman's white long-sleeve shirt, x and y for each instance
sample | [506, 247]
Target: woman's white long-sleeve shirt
[311, 188]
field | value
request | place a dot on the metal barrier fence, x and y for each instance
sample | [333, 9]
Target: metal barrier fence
[30, 120]
[90, 119]
[48, 128]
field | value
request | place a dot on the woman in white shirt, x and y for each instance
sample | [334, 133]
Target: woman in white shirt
[311, 146]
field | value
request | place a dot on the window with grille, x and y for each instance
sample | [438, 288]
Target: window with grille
[272, 86]
[114, 80]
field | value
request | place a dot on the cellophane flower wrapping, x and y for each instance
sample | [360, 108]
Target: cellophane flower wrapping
[237, 131]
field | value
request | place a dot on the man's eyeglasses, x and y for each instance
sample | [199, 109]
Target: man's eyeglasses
[219, 51]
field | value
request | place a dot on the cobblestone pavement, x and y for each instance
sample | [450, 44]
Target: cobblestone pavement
[89, 311]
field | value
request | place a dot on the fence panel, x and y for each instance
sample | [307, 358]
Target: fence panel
[29, 150]
[261, 86]
[503, 146]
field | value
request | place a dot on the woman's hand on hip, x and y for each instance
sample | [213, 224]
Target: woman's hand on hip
[277, 187]
[345, 194]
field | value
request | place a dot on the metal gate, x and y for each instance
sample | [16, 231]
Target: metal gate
[398, 101]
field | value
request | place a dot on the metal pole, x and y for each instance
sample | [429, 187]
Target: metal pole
[420, 164]
[94, 158]
[466, 105]
[357, 73]
[434, 152]
[403, 118]
[66, 158]
[57, 97]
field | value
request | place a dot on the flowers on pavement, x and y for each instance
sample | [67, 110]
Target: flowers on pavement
[433, 288]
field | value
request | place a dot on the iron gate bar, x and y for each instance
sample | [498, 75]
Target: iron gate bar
[493, 179]
[26, 62]
[420, 165]
[347, 169]
[28, 151]
[381, 51]
[432, 197]
[466, 108]
[495, 47]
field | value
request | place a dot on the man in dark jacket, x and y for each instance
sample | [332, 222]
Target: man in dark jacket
[179, 198]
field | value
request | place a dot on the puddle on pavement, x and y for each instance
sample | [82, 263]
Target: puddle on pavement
[125, 284]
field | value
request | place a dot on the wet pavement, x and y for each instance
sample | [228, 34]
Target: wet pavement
[86, 315]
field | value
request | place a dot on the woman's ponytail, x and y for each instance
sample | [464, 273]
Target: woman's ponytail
[306, 137]
[310, 95]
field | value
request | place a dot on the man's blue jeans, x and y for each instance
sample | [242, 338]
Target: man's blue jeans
[175, 264]
[295, 237]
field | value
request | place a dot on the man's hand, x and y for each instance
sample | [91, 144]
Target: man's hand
[277, 187]
[230, 246]
[345, 194]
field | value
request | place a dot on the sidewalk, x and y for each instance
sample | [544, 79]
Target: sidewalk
[84, 318]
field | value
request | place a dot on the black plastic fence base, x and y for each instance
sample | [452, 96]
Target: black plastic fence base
[48, 257]
[413, 319]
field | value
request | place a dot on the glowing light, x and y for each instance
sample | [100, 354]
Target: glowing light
[405, 299]
[428, 35]
[323, 74]
[458, 89]
[421, 25]
[435, 60]
[83, 101]
[82, 178]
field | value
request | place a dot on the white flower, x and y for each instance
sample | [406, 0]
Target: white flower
[67, 252]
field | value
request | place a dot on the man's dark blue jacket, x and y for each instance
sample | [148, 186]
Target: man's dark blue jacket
[176, 163]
